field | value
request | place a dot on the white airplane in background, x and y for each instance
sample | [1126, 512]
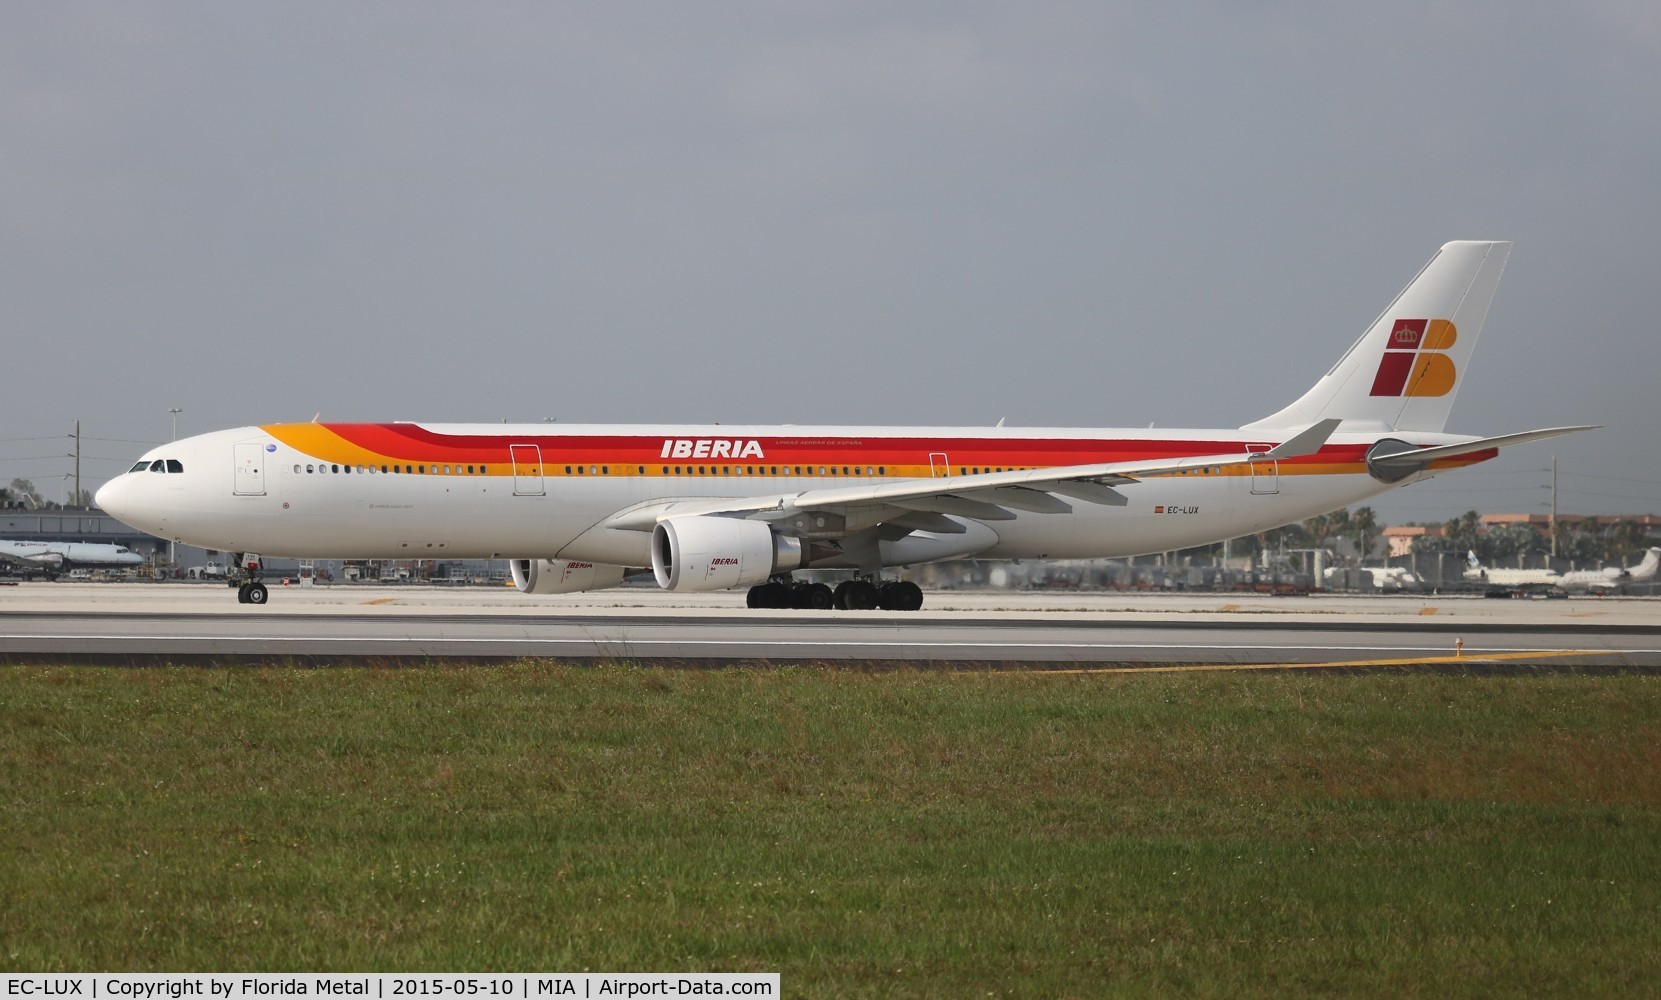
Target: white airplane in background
[1587, 579]
[53, 558]
[720, 507]
[1501, 577]
[1614, 578]
[1388, 578]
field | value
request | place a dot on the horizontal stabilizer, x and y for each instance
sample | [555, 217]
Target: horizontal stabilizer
[1420, 456]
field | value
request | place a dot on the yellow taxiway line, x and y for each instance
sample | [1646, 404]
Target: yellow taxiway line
[1410, 661]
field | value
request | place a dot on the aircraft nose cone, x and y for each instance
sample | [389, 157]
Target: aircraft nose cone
[109, 499]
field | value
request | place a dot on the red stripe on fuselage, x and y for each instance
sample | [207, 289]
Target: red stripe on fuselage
[410, 442]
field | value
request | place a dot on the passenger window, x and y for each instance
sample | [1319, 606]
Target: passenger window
[334, 468]
[310, 470]
[296, 468]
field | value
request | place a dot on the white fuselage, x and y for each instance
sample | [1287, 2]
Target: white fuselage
[294, 501]
[48, 555]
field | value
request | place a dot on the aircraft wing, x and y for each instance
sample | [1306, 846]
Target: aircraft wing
[987, 496]
[30, 559]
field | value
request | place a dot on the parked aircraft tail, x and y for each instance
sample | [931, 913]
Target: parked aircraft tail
[1646, 570]
[1405, 370]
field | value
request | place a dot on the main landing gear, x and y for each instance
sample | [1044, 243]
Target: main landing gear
[849, 595]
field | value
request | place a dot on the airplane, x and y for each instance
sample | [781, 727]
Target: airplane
[716, 507]
[1384, 577]
[52, 558]
[1509, 579]
[1614, 578]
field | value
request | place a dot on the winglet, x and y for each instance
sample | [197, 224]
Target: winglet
[1307, 441]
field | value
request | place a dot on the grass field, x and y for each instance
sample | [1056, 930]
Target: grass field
[900, 833]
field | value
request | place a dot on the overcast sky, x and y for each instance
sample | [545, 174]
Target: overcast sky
[1063, 214]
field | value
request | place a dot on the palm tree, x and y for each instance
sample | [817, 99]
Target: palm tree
[1364, 522]
[1323, 526]
[1463, 530]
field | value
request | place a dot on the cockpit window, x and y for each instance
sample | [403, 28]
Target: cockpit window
[174, 465]
[158, 466]
[140, 467]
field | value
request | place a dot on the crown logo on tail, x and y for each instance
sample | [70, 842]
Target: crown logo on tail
[1414, 362]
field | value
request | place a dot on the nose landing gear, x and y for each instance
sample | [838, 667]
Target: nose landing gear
[252, 590]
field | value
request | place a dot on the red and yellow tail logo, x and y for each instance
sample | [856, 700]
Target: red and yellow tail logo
[1413, 363]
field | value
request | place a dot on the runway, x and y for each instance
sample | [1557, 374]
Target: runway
[197, 624]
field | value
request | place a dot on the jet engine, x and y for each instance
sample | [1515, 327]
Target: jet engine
[562, 576]
[719, 553]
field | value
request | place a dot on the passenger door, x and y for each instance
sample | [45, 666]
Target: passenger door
[248, 475]
[527, 469]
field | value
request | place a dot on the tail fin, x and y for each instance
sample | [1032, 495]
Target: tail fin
[1405, 370]
[1646, 569]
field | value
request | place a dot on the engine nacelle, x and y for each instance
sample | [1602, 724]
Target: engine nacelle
[719, 553]
[562, 576]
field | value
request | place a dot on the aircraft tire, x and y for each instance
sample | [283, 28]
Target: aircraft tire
[911, 596]
[860, 595]
[771, 595]
[242, 593]
[811, 597]
[257, 594]
[902, 595]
